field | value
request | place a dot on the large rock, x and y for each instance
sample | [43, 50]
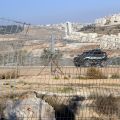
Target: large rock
[28, 107]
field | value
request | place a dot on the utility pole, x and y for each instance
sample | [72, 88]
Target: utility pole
[52, 44]
[52, 50]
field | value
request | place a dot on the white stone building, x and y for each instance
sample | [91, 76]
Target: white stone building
[101, 21]
[68, 28]
[110, 20]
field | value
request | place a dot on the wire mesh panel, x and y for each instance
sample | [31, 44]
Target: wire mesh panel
[44, 77]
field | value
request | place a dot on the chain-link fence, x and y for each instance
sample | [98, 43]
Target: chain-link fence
[45, 77]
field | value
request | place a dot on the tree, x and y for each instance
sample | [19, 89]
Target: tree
[47, 56]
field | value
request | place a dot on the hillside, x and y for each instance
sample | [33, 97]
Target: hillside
[104, 30]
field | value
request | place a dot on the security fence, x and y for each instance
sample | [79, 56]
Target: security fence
[39, 78]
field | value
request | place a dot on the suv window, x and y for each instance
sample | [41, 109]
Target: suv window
[98, 52]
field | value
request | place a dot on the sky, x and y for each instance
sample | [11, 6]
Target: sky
[57, 11]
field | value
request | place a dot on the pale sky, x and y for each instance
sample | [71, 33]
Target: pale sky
[57, 11]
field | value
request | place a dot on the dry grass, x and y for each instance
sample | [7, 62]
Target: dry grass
[108, 105]
[93, 73]
[65, 89]
[9, 75]
[115, 76]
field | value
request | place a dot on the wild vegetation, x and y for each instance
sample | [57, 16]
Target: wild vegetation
[93, 73]
[108, 106]
[47, 55]
[9, 75]
[108, 30]
[10, 29]
[115, 76]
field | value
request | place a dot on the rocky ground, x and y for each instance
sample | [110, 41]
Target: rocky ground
[36, 105]
[38, 39]
[52, 97]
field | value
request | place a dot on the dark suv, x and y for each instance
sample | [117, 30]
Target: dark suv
[95, 57]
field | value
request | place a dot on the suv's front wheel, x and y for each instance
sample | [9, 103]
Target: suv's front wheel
[103, 64]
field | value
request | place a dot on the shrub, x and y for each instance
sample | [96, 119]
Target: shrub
[47, 55]
[66, 78]
[107, 105]
[6, 83]
[80, 77]
[66, 89]
[56, 77]
[9, 75]
[93, 73]
[2, 107]
[115, 76]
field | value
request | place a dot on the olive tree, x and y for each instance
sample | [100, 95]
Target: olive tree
[48, 56]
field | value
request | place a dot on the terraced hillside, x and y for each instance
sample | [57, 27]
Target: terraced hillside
[105, 30]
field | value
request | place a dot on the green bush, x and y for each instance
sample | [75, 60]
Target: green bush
[93, 73]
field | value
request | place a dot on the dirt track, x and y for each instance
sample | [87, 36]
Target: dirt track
[36, 71]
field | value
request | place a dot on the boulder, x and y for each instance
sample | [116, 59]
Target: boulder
[28, 107]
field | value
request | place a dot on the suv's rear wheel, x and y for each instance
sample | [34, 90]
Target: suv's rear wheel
[87, 63]
[77, 65]
[76, 62]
